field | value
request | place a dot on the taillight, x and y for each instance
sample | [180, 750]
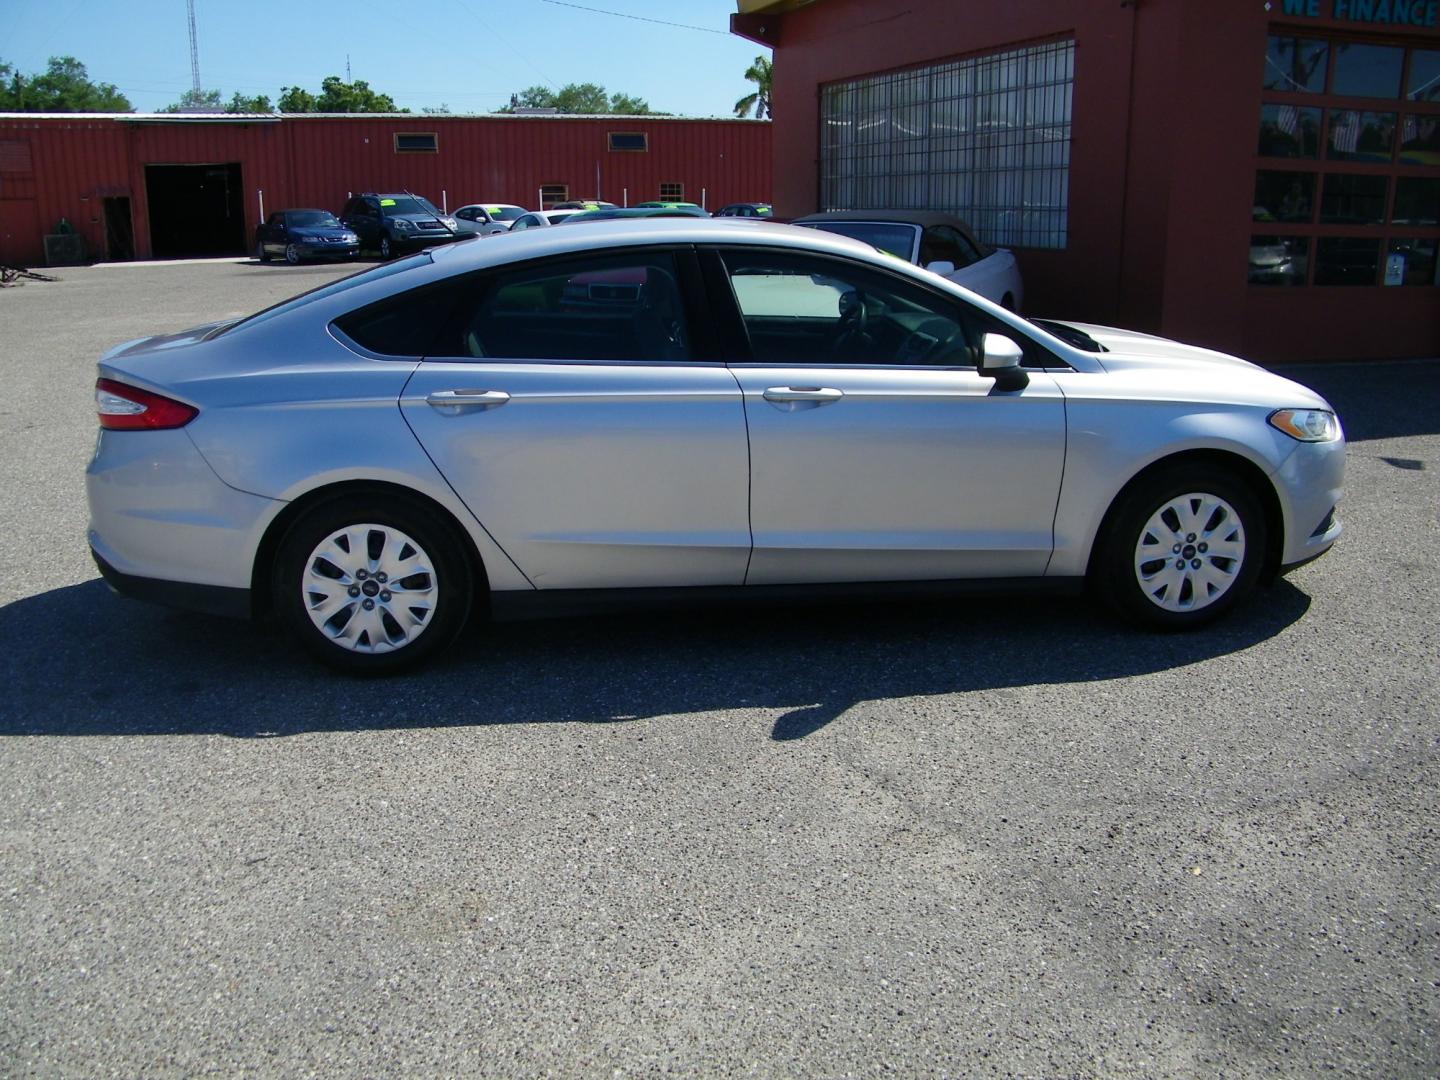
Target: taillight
[128, 408]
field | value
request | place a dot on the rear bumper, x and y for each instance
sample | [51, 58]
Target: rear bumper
[211, 599]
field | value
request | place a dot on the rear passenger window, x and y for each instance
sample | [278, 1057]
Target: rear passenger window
[404, 325]
[612, 308]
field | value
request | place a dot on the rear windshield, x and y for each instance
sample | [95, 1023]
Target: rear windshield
[364, 277]
[898, 240]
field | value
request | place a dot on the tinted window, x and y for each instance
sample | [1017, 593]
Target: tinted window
[1296, 65]
[404, 204]
[624, 307]
[1424, 84]
[404, 325]
[938, 244]
[1420, 140]
[1360, 136]
[1417, 200]
[1289, 131]
[898, 240]
[364, 277]
[313, 218]
[1413, 262]
[1284, 196]
[1367, 70]
[801, 309]
[1346, 260]
[1279, 260]
[1353, 199]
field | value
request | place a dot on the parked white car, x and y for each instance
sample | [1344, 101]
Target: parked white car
[941, 243]
[487, 218]
[541, 219]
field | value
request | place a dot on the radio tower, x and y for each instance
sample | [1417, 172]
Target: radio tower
[194, 52]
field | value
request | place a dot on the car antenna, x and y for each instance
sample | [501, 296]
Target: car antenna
[438, 217]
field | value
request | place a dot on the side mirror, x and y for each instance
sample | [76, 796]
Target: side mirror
[1000, 359]
[943, 267]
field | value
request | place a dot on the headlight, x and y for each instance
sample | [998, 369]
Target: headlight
[401, 225]
[351, 238]
[1307, 425]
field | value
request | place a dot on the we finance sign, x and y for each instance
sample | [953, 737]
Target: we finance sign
[1420, 13]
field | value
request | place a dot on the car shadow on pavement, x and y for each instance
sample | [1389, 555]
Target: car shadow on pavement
[1368, 395]
[84, 662]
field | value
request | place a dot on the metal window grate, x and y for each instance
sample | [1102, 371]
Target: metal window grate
[672, 192]
[986, 138]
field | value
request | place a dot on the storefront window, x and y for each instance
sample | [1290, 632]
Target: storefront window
[1367, 70]
[1289, 131]
[1360, 136]
[1424, 81]
[1420, 140]
[1351, 199]
[1278, 260]
[986, 138]
[1347, 260]
[1330, 213]
[1284, 196]
[1411, 261]
[1417, 201]
[1295, 65]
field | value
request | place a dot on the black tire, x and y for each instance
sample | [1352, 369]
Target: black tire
[387, 249]
[292, 254]
[1154, 593]
[261, 253]
[441, 552]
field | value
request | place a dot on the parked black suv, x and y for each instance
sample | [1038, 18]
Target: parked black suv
[392, 224]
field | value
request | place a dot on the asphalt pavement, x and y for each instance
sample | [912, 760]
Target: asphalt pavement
[990, 838]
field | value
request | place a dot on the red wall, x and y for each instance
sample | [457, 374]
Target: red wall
[1163, 157]
[316, 161]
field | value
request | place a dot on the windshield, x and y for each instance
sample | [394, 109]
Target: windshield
[313, 217]
[404, 204]
[364, 277]
[897, 240]
[505, 213]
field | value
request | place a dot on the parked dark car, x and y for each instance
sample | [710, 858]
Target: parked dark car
[304, 234]
[393, 224]
[747, 209]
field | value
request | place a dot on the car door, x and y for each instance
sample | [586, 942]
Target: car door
[570, 408]
[878, 453]
[363, 217]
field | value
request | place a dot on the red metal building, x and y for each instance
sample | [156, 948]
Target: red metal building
[1260, 177]
[143, 185]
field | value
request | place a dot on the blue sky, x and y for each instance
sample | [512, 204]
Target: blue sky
[467, 54]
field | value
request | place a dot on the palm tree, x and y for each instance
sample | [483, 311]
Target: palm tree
[759, 74]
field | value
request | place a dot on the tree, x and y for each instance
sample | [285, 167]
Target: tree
[64, 87]
[759, 74]
[260, 103]
[578, 98]
[436, 110]
[337, 96]
[206, 100]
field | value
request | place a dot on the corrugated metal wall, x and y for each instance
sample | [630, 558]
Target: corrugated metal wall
[315, 161]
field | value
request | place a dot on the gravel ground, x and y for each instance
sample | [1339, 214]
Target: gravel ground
[962, 839]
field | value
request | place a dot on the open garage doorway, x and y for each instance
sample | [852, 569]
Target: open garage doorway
[195, 210]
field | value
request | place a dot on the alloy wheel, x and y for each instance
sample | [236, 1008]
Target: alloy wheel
[1190, 552]
[370, 588]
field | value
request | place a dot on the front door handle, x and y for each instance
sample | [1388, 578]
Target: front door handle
[457, 401]
[818, 394]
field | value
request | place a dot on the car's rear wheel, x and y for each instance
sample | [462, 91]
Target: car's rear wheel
[372, 585]
[261, 253]
[292, 254]
[1181, 548]
[387, 250]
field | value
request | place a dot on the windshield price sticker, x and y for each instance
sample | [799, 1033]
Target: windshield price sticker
[387, 202]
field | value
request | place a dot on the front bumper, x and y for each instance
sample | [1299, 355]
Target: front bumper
[319, 250]
[417, 241]
[1310, 483]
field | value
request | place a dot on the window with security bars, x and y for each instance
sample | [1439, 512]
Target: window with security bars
[550, 194]
[986, 138]
[672, 192]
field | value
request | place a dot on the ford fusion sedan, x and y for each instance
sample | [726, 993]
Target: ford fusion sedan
[304, 234]
[684, 410]
[942, 243]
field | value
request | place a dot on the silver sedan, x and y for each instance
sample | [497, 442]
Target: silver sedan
[684, 410]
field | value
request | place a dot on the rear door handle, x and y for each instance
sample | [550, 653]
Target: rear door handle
[818, 394]
[456, 401]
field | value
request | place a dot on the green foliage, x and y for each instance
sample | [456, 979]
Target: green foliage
[759, 73]
[337, 96]
[260, 103]
[578, 98]
[208, 100]
[64, 87]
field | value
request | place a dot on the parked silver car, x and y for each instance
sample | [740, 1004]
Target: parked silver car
[731, 409]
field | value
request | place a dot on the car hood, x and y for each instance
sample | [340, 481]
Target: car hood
[1203, 370]
[320, 230]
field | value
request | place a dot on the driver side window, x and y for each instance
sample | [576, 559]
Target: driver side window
[801, 309]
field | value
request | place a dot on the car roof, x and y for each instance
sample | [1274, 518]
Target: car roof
[305, 210]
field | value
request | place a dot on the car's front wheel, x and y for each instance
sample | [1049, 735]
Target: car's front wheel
[1181, 548]
[372, 585]
[292, 254]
